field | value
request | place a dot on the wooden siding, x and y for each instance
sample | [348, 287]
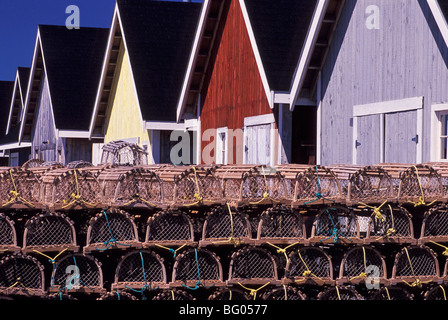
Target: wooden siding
[233, 87]
[77, 149]
[123, 116]
[405, 58]
[44, 132]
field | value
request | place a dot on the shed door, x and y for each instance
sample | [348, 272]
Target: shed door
[400, 137]
[368, 149]
[258, 144]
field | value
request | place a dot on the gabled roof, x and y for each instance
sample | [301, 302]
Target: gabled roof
[18, 97]
[6, 90]
[439, 10]
[277, 31]
[158, 36]
[444, 7]
[71, 59]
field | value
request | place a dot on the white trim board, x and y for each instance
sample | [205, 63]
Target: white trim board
[161, 125]
[388, 107]
[257, 120]
[435, 130]
[440, 19]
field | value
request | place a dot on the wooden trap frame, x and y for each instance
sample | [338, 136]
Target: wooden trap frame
[229, 294]
[437, 293]
[19, 188]
[174, 295]
[281, 225]
[48, 232]
[418, 184]
[32, 163]
[127, 187]
[415, 266]
[188, 186]
[444, 277]
[335, 225]
[360, 263]
[339, 293]
[21, 275]
[435, 225]
[78, 273]
[197, 268]
[121, 153]
[226, 226]
[365, 185]
[8, 235]
[392, 293]
[309, 265]
[139, 271]
[111, 229]
[169, 228]
[253, 266]
[79, 164]
[389, 224]
[284, 293]
[68, 189]
[253, 185]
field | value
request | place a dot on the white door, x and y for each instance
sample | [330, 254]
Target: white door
[258, 144]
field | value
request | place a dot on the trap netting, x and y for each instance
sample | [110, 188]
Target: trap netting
[197, 268]
[111, 229]
[225, 225]
[140, 270]
[392, 293]
[335, 225]
[123, 153]
[8, 235]
[252, 185]
[339, 293]
[169, 228]
[368, 185]
[362, 264]
[78, 164]
[281, 225]
[77, 273]
[229, 294]
[284, 293]
[415, 265]
[116, 295]
[22, 275]
[435, 225]
[71, 188]
[49, 232]
[390, 224]
[19, 188]
[131, 186]
[309, 265]
[174, 295]
[437, 293]
[252, 265]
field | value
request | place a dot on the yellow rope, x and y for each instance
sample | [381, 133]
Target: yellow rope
[231, 239]
[445, 253]
[172, 295]
[266, 193]
[138, 198]
[376, 210]
[417, 283]
[170, 249]
[253, 292]
[421, 200]
[197, 195]
[15, 193]
[15, 284]
[337, 291]
[444, 293]
[286, 293]
[387, 292]
[281, 250]
[306, 274]
[392, 230]
[362, 274]
[52, 260]
[76, 196]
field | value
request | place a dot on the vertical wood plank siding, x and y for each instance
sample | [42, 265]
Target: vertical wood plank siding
[233, 88]
[405, 58]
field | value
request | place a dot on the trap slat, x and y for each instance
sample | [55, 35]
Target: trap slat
[435, 225]
[8, 235]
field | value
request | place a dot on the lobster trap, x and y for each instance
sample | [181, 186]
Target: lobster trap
[361, 265]
[8, 235]
[309, 265]
[187, 186]
[139, 271]
[229, 294]
[111, 229]
[226, 226]
[19, 188]
[21, 275]
[79, 164]
[437, 293]
[284, 293]
[253, 266]
[49, 232]
[197, 268]
[169, 228]
[173, 295]
[117, 296]
[121, 153]
[253, 185]
[32, 163]
[77, 273]
[281, 225]
[369, 185]
[390, 224]
[391, 294]
[339, 293]
[415, 266]
[131, 187]
[435, 225]
[335, 225]
[418, 184]
[65, 189]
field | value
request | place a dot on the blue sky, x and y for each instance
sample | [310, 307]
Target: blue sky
[19, 20]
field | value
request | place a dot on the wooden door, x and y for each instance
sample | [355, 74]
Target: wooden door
[368, 143]
[400, 137]
[258, 144]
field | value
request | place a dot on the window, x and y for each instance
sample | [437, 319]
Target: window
[221, 146]
[443, 118]
[439, 132]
